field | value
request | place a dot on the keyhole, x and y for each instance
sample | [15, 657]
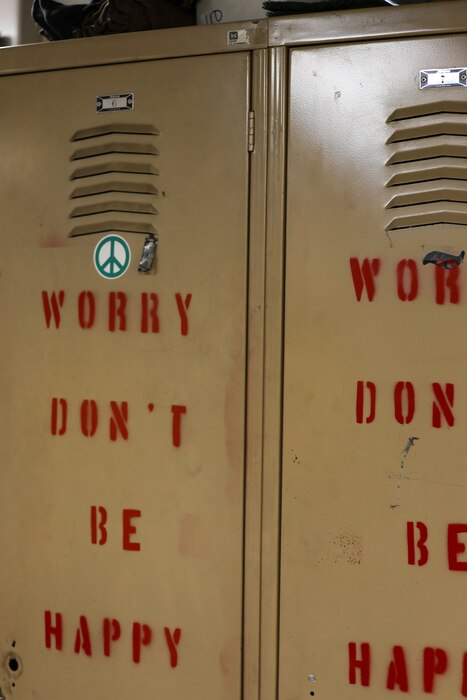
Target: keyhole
[13, 664]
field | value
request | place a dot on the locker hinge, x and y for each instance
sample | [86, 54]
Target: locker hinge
[251, 132]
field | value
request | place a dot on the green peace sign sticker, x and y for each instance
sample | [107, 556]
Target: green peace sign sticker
[112, 256]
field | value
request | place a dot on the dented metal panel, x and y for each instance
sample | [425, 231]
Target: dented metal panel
[373, 507]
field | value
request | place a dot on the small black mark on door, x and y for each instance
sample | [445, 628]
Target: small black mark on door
[407, 448]
[448, 261]
[13, 665]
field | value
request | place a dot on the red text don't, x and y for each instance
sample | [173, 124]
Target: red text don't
[405, 403]
[87, 418]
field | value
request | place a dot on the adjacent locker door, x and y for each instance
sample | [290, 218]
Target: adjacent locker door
[374, 473]
[122, 425]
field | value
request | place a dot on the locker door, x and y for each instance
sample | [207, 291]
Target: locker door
[123, 392]
[374, 514]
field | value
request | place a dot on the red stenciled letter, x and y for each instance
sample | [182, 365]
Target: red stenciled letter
[149, 317]
[447, 279]
[363, 276]
[86, 309]
[119, 420]
[53, 630]
[89, 416]
[183, 306]
[83, 639]
[98, 525]
[177, 413]
[117, 307]
[52, 306]
[397, 671]
[59, 406]
[443, 404]
[464, 676]
[419, 544]
[455, 547]
[129, 529]
[111, 631]
[435, 663]
[142, 635]
[360, 402]
[362, 664]
[401, 388]
[173, 641]
[409, 266]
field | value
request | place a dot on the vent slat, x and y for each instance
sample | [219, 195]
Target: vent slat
[424, 149]
[428, 109]
[117, 206]
[114, 186]
[428, 196]
[105, 226]
[427, 215]
[441, 125]
[431, 171]
[108, 129]
[114, 167]
[106, 149]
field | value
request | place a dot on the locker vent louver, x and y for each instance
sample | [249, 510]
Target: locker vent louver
[428, 165]
[113, 177]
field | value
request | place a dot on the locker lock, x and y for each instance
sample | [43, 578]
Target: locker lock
[149, 253]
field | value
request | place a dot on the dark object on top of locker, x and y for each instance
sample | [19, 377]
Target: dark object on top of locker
[290, 7]
[58, 21]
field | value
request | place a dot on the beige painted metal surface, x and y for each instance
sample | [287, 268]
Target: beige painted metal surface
[134, 46]
[122, 427]
[374, 512]
[369, 24]
[140, 402]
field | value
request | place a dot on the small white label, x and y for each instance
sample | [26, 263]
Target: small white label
[238, 37]
[443, 77]
[114, 103]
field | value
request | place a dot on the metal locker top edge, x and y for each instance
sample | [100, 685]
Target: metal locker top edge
[422, 19]
[326, 27]
[134, 46]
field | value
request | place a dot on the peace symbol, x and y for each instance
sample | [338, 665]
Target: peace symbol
[112, 257]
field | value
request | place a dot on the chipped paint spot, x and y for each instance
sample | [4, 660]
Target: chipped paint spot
[408, 447]
[350, 548]
[400, 475]
[295, 459]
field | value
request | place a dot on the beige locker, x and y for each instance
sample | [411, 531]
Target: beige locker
[239, 474]
[374, 516]
[124, 392]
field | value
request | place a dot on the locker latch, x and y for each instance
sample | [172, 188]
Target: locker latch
[149, 253]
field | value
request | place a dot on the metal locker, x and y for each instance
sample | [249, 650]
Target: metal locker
[373, 484]
[231, 285]
[125, 171]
